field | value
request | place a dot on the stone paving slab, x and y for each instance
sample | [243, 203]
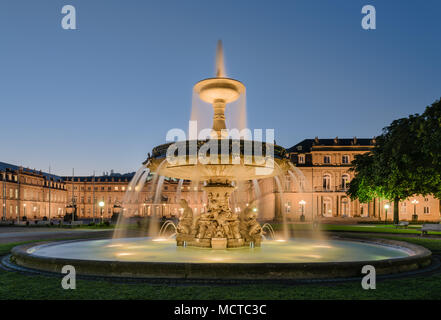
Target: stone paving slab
[20, 234]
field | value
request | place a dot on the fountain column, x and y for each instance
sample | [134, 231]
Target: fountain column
[219, 116]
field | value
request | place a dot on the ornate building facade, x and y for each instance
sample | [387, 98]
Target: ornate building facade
[315, 188]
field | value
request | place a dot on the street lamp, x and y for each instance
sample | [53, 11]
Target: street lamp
[414, 216]
[101, 204]
[302, 203]
[386, 207]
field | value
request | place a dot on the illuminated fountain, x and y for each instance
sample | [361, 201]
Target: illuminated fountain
[234, 160]
[219, 243]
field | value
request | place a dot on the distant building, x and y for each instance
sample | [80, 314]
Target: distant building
[30, 193]
[325, 165]
[316, 187]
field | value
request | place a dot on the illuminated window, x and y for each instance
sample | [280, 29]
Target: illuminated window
[326, 182]
[301, 158]
[344, 181]
[403, 207]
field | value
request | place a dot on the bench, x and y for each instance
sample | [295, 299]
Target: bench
[73, 223]
[43, 222]
[402, 224]
[430, 227]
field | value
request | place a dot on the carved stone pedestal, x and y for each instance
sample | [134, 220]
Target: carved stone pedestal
[219, 243]
[219, 227]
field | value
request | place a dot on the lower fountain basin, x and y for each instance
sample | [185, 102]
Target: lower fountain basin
[161, 258]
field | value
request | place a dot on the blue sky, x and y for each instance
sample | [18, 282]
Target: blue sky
[102, 96]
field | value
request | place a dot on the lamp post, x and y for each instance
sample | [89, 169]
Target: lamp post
[414, 216]
[386, 207]
[101, 204]
[302, 203]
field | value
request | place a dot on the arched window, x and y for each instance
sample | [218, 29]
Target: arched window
[344, 207]
[326, 182]
[345, 181]
[327, 207]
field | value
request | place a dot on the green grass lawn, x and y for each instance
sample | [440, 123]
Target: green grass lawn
[375, 228]
[19, 286]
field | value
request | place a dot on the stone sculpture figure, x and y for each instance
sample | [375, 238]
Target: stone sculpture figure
[249, 227]
[186, 220]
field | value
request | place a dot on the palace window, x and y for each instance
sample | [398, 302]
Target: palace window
[327, 207]
[288, 207]
[345, 159]
[326, 182]
[327, 159]
[301, 158]
[344, 181]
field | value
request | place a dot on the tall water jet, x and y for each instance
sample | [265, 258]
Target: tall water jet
[219, 226]
[220, 65]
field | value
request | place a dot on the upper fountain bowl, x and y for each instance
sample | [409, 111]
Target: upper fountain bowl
[219, 89]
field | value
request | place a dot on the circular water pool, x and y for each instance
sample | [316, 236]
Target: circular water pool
[162, 250]
[293, 259]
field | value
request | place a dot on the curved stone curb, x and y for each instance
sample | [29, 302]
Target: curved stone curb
[421, 257]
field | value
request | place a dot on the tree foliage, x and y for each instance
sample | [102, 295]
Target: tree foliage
[405, 161]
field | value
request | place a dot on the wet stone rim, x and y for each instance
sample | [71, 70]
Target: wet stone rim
[420, 258]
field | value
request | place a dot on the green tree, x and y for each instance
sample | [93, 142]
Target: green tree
[393, 169]
[428, 130]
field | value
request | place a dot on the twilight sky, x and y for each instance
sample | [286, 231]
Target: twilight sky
[102, 96]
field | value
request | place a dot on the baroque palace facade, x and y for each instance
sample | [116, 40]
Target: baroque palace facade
[316, 189]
